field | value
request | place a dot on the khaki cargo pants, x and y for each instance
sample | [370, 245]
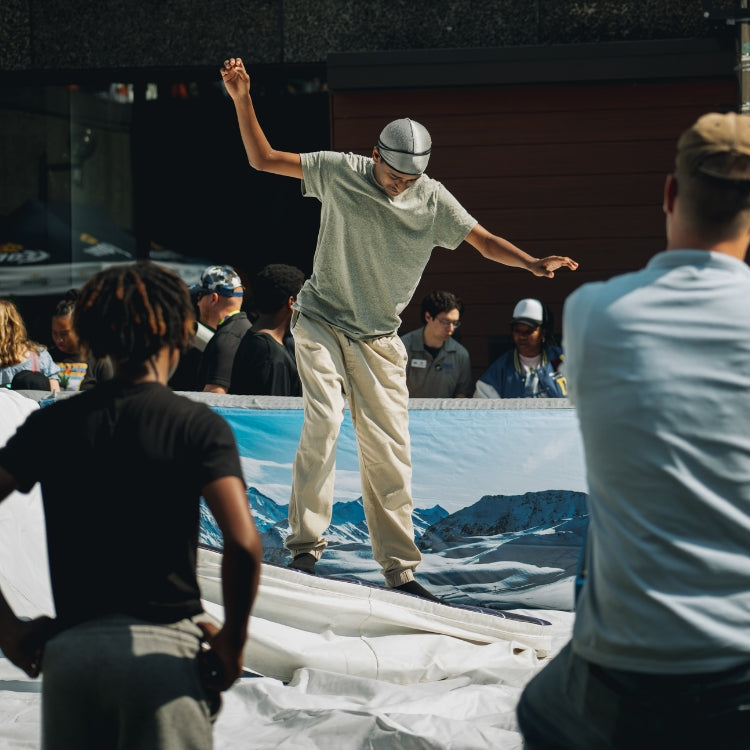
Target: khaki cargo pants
[371, 375]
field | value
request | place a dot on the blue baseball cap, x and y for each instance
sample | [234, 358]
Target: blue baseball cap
[220, 279]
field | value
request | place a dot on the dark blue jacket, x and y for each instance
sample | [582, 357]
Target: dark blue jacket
[505, 375]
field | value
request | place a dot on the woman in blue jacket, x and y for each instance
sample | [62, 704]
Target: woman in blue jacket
[531, 369]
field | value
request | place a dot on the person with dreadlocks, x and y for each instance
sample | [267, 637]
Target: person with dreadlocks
[145, 457]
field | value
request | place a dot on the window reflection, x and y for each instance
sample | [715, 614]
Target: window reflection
[104, 171]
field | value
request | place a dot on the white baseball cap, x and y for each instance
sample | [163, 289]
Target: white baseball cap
[529, 311]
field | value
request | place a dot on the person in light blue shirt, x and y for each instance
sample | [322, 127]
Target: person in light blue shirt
[18, 352]
[658, 368]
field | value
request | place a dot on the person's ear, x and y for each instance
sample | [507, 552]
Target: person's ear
[376, 154]
[670, 194]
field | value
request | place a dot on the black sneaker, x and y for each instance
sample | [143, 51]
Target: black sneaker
[416, 589]
[304, 562]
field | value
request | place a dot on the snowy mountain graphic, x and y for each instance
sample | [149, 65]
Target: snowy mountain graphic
[348, 525]
[505, 514]
[493, 553]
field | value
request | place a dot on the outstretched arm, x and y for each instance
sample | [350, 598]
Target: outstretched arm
[501, 251]
[240, 576]
[261, 155]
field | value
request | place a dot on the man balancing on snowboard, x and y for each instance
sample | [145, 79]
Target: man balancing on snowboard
[381, 217]
[658, 367]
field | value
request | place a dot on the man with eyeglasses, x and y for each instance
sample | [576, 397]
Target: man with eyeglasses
[437, 365]
[381, 217]
[219, 297]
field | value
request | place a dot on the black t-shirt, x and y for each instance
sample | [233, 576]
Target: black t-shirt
[122, 468]
[264, 367]
[218, 357]
[98, 371]
[185, 377]
[433, 350]
[58, 355]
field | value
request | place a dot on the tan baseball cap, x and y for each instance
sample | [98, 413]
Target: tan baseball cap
[714, 134]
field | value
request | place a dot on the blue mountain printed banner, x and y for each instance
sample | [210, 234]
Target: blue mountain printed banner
[499, 501]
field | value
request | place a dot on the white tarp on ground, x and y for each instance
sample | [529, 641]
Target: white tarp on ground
[345, 666]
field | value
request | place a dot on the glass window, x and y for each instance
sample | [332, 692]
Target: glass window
[100, 171]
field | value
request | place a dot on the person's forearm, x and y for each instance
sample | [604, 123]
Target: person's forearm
[8, 617]
[254, 139]
[240, 574]
[10, 633]
[502, 251]
[261, 155]
[485, 390]
[213, 388]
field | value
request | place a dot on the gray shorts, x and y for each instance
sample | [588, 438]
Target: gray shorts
[120, 682]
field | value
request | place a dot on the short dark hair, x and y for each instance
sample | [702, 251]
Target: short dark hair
[129, 312]
[718, 208]
[67, 304]
[439, 301]
[274, 284]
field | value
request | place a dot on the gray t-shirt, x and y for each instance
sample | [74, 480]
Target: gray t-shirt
[372, 247]
[442, 376]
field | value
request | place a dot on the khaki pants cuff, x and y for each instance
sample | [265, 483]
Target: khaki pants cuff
[396, 579]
